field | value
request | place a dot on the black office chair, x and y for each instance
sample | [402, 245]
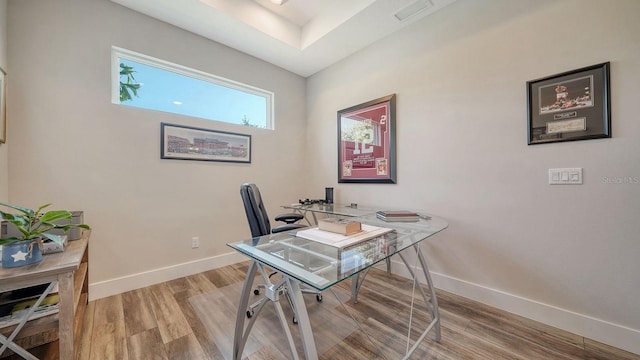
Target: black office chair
[257, 214]
[260, 225]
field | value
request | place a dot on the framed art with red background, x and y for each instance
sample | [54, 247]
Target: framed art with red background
[367, 142]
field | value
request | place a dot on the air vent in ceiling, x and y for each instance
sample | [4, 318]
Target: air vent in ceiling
[412, 9]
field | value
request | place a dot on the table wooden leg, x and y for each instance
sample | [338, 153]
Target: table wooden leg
[65, 316]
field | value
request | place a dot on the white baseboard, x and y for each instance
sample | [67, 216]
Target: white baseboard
[595, 329]
[116, 286]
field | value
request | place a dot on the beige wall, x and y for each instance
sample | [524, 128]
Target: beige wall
[71, 146]
[4, 148]
[565, 255]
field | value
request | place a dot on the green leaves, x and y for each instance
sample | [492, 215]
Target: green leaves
[23, 210]
[54, 215]
[33, 224]
[129, 86]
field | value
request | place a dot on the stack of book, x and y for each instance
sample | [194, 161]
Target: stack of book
[340, 226]
[397, 215]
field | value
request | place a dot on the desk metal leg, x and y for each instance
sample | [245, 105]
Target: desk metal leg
[304, 214]
[358, 279]
[304, 324]
[272, 294]
[356, 283]
[8, 342]
[432, 290]
[432, 306]
[294, 293]
[240, 336]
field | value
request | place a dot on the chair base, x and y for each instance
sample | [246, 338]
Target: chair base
[282, 290]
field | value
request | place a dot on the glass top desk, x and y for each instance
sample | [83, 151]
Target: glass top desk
[303, 262]
[329, 209]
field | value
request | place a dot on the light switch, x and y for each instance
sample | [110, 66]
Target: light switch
[565, 176]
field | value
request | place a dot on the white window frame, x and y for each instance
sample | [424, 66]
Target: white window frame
[118, 53]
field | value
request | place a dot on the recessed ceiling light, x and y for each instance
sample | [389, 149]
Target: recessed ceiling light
[177, 102]
[278, 2]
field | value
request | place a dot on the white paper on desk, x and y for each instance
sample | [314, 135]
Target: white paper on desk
[339, 240]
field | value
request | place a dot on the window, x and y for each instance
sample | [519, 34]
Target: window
[146, 82]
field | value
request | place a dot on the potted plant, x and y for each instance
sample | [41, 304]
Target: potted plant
[33, 226]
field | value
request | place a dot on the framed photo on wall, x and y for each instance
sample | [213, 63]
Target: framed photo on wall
[573, 105]
[190, 143]
[367, 142]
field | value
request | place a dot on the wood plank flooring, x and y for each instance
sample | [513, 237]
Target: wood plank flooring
[168, 321]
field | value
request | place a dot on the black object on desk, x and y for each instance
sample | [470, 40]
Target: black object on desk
[328, 195]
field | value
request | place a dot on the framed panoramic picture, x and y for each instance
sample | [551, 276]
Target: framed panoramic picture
[3, 106]
[573, 105]
[367, 142]
[190, 143]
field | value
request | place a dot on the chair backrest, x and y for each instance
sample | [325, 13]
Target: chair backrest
[254, 208]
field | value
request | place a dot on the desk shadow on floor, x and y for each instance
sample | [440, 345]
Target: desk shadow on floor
[217, 311]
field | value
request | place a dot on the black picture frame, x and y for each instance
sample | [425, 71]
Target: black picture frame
[181, 142]
[573, 105]
[367, 142]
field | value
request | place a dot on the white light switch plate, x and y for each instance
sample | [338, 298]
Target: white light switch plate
[565, 176]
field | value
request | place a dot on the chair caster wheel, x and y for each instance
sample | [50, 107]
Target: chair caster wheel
[256, 292]
[319, 297]
[249, 314]
[295, 321]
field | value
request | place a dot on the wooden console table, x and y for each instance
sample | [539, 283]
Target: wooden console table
[70, 270]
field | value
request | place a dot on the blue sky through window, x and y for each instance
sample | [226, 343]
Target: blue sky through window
[169, 91]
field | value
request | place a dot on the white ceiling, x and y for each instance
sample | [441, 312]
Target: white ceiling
[302, 36]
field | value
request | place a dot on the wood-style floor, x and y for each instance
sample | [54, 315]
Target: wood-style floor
[168, 321]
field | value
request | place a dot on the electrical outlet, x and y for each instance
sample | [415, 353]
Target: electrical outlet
[195, 242]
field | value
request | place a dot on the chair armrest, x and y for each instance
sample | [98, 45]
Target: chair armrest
[286, 227]
[289, 218]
